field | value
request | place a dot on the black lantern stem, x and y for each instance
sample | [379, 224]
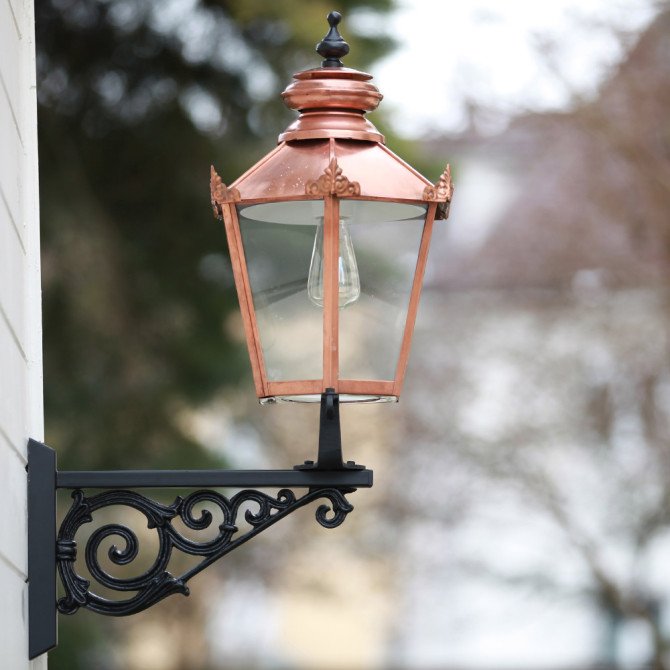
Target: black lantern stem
[330, 438]
[332, 47]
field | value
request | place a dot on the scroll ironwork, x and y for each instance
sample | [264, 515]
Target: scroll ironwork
[157, 582]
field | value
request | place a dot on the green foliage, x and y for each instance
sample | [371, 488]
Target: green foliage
[136, 100]
[82, 633]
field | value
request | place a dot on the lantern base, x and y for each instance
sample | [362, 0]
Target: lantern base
[345, 398]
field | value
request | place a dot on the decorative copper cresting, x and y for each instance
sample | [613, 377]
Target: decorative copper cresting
[333, 156]
[328, 238]
[333, 182]
[220, 193]
[441, 193]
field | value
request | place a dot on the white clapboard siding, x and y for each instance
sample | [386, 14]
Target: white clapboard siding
[20, 318]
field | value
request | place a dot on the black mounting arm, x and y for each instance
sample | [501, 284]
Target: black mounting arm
[50, 551]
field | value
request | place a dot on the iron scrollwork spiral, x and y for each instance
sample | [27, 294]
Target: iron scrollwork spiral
[157, 582]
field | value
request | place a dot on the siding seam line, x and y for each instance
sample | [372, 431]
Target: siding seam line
[13, 334]
[11, 109]
[12, 447]
[11, 218]
[16, 23]
[15, 569]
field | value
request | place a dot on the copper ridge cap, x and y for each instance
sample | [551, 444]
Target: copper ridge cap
[332, 99]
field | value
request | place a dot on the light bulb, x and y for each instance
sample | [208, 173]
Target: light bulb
[348, 281]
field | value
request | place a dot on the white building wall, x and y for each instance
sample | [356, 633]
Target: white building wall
[21, 413]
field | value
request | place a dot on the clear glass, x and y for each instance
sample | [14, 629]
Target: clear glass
[278, 240]
[379, 248]
[386, 237]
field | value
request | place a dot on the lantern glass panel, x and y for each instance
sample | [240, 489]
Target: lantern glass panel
[278, 240]
[386, 237]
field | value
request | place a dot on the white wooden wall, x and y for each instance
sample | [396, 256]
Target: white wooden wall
[20, 318]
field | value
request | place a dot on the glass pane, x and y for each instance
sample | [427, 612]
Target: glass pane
[385, 237]
[278, 240]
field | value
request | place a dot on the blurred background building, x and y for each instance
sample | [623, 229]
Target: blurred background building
[520, 512]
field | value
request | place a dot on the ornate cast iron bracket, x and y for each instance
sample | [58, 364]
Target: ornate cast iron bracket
[157, 582]
[328, 480]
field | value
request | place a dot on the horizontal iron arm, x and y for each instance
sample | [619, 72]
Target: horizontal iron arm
[112, 479]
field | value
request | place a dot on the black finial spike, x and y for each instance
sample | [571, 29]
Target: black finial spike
[332, 47]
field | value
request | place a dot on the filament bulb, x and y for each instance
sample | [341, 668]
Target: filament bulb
[348, 281]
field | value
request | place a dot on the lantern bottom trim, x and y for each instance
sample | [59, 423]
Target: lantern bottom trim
[345, 399]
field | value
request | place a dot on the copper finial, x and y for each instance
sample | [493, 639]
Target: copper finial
[332, 99]
[332, 47]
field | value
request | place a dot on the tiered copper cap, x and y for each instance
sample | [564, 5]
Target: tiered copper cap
[333, 99]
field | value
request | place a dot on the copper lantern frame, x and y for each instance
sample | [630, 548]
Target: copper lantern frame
[330, 153]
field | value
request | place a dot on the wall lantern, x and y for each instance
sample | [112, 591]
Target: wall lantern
[328, 237]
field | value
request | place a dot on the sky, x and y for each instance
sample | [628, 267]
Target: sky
[511, 56]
